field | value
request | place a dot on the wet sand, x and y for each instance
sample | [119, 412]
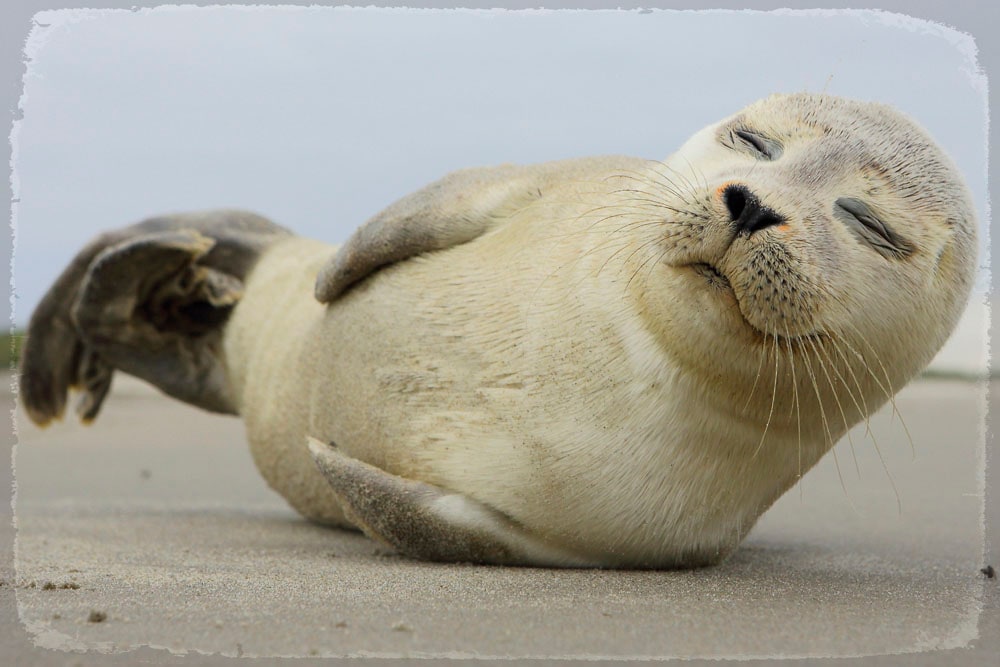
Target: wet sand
[151, 528]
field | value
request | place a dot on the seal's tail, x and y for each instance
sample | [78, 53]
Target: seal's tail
[151, 300]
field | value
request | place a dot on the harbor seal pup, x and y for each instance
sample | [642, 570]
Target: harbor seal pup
[604, 362]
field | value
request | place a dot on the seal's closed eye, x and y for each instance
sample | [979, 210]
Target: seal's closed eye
[868, 227]
[761, 146]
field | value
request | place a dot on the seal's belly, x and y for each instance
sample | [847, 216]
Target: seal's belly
[558, 411]
[426, 371]
[380, 373]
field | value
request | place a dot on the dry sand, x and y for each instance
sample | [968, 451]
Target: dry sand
[151, 528]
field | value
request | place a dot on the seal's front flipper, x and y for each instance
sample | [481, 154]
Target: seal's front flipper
[448, 212]
[425, 521]
[456, 209]
[150, 300]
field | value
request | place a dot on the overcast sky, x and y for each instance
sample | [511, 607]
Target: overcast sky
[319, 117]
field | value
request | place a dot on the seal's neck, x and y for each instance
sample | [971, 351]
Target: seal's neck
[271, 323]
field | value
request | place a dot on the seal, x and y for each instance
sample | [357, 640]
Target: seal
[608, 362]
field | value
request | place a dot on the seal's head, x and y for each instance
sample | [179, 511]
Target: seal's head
[822, 236]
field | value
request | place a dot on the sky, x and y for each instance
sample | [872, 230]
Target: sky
[319, 117]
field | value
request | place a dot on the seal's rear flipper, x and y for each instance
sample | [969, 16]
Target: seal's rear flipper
[150, 300]
[425, 521]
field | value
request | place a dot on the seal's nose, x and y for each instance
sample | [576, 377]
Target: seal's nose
[746, 211]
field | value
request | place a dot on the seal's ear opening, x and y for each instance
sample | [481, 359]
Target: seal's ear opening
[151, 300]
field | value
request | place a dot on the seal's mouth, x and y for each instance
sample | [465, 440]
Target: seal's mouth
[716, 279]
[712, 275]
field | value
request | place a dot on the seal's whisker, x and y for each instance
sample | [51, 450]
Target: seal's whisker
[617, 206]
[641, 266]
[774, 395]
[645, 244]
[859, 399]
[829, 435]
[753, 168]
[701, 174]
[657, 167]
[760, 366]
[645, 263]
[625, 243]
[619, 212]
[642, 215]
[650, 201]
[628, 214]
[686, 180]
[664, 207]
[666, 184]
[886, 388]
[659, 260]
[888, 475]
[659, 186]
[840, 407]
[819, 401]
[840, 476]
[862, 410]
[878, 450]
[795, 402]
[607, 261]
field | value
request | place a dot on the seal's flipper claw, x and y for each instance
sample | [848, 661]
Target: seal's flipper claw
[94, 376]
[149, 299]
[425, 521]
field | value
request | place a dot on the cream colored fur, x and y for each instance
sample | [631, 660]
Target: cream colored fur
[570, 369]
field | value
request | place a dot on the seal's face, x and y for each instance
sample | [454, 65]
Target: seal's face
[822, 227]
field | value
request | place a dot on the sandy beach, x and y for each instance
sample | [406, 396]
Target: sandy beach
[150, 534]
